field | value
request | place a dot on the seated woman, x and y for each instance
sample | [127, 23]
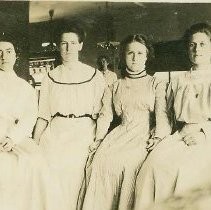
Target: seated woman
[182, 161]
[71, 107]
[24, 177]
[110, 177]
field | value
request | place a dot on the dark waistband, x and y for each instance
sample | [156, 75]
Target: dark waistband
[181, 124]
[71, 116]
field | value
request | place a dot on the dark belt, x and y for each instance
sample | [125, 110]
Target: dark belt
[71, 116]
[180, 124]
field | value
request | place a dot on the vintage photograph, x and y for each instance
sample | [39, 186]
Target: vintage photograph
[105, 105]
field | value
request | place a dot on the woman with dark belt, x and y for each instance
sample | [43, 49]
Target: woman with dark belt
[182, 161]
[71, 105]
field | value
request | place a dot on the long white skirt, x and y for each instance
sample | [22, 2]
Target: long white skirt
[25, 180]
[65, 144]
[172, 168]
[110, 178]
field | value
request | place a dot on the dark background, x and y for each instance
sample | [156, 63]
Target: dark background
[14, 19]
[163, 23]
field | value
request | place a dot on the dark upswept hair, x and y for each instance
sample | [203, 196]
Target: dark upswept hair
[196, 28]
[6, 37]
[100, 58]
[134, 38]
[70, 26]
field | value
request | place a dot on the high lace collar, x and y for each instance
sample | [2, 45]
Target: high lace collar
[136, 75]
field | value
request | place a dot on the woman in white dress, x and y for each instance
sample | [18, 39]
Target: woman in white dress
[182, 161]
[110, 177]
[71, 105]
[24, 180]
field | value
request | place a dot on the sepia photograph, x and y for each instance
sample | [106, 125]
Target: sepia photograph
[105, 105]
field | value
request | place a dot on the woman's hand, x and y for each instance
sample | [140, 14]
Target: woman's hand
[194, 138]
[93, 147]
[6, 144]
[152, 143]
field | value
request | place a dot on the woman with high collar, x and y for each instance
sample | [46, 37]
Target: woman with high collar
[25, 181]
[181, 162]
[111, 171]
[72, 113]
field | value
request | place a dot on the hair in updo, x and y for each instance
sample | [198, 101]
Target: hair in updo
[197, 28]
[134, 38]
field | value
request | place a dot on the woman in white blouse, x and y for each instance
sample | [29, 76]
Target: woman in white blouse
[182, 161]
[24, 176]
[110, 177]
[71, 105]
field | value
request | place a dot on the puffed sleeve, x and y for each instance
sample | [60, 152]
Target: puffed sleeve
[27, 109]
[44, 103]
[105, 114]
[163, 127]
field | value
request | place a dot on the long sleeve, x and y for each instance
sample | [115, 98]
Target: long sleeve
[44, 103]
[163, 127]
[26, 117]
[105, 115]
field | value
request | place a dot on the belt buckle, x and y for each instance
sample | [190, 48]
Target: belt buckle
[71, 116]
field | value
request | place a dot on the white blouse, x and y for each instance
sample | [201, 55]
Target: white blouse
[190, 96]
[137, 100]
[18, 107]
[77, 91]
